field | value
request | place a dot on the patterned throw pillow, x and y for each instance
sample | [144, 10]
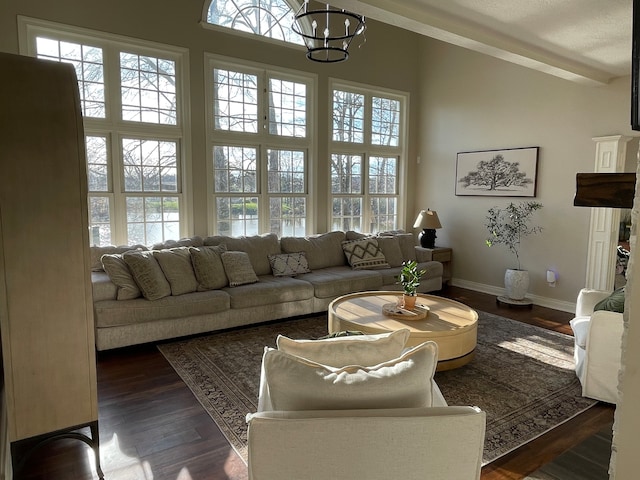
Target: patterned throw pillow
[238, 268]
[289, 264]
[365, 253]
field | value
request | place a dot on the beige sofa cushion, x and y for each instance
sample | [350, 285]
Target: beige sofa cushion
[363, 350]
[238, 268]
[178, 270]
[208, 268]
[119, 273]
[195, 241]
[148, 275]
[258, 247]
[322, 251]
[115, 313]
[295, 383]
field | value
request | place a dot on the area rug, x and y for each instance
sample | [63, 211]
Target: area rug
[522, 376]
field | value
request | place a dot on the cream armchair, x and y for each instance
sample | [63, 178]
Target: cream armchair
[598, 346]
[308, 433]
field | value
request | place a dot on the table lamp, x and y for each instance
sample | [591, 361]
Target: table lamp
[427, 220]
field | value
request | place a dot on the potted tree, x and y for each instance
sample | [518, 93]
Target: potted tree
[409, 278]
[508, 226]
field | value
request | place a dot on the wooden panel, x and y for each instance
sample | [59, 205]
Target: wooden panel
[615, 190]
[47, 322]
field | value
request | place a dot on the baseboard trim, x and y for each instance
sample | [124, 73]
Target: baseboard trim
[493, 290]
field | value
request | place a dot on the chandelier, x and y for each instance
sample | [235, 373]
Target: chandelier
[327, 33]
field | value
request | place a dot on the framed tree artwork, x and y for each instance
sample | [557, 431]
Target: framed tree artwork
[497, 173]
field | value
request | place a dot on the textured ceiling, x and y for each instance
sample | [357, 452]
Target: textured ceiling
[587, 41]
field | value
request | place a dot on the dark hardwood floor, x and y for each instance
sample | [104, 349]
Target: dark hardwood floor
[153, 428]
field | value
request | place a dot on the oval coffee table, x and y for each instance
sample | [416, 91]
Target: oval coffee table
[452, 325]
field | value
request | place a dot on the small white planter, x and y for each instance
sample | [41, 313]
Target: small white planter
[516, 283]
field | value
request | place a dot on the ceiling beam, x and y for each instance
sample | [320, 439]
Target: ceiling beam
[431, 22]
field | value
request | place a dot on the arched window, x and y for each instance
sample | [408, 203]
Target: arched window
[268, 18]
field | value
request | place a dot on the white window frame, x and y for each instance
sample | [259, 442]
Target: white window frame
[113, 127]
[367, 149]
[262, 140]
[228, 30]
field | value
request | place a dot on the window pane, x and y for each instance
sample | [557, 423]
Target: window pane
[346, 173]
[152, 219]
[383, 214]
[235, 101]
[100, 221]
[148, 89]
[97, 163]
[237, 216]
[287, 216]
[287, 108]
[347, 213]
[348, 117]
[385, 122]
[286, 171]
[235, 169]
[268, 18]
[383, 175]
[149, 165]
[87, 61]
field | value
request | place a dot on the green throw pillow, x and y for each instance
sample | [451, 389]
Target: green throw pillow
[613, 303]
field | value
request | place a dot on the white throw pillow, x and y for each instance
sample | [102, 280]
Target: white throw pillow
[295, 383]
[365, 350]
[238, 269]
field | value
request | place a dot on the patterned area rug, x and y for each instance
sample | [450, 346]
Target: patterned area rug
[522, 376]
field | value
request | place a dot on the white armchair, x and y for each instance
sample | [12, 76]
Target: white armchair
[405, 435]
[598, 346]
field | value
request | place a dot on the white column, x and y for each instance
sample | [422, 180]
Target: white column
[611, 153]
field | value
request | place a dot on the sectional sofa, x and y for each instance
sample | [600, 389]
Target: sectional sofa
[198, 285]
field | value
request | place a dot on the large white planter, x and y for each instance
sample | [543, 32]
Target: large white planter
[516, 283]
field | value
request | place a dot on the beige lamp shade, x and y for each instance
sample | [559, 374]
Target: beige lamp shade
[427, 219]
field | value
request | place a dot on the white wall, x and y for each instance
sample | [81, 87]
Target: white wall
[474, 102]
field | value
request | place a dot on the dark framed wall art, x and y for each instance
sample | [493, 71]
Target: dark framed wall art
[497, 173]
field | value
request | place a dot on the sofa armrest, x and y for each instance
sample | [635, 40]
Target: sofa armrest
[423, 254]
[587, 299]
[603, 356]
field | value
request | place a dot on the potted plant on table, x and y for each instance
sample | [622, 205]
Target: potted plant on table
[508, 226]
[409, 278]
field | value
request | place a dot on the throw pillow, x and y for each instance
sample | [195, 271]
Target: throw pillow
[365, 253]
[364, 350]
[148, 275]
[98, 252]
[121, 276]
[390, 247]
[289, 264]
[177, 268]
[208, 268]
[613, 303]
[238, 268]
[295, 383]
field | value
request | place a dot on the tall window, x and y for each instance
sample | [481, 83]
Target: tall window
[260, 142]
[132, 103]
[366, 153]
[266, 18]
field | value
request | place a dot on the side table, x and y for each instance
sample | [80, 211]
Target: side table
[442, 255]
